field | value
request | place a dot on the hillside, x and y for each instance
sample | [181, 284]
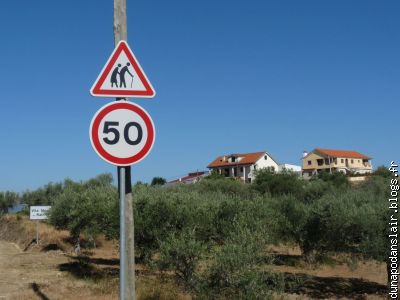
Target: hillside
[51, 270]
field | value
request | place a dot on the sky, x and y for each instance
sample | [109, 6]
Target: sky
[230, 76]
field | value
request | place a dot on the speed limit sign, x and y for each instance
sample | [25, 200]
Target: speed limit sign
[122, 133]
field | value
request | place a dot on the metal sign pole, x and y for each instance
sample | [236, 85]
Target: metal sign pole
[122, 257]
[37, 232]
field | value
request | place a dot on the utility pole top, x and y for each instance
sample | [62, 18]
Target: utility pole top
[120, 25]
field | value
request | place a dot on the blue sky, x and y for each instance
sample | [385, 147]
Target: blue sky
[231, 77]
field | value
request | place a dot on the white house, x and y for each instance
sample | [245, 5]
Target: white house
[243, 165]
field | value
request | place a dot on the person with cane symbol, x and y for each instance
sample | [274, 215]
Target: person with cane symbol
[122, 75]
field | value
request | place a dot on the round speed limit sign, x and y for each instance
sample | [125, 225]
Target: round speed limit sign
[122, 133]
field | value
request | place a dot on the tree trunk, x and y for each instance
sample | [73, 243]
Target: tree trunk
[78, 246]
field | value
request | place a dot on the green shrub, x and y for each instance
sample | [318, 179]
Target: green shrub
[226, 186]
[158, 213]
[337, 179]
[90, 207]
[291, 217]
[234, 271]
[349, 222]
[181, 252]
[314, 190]
[277, 184]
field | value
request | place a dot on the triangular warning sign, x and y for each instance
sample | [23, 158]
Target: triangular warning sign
[122, 76]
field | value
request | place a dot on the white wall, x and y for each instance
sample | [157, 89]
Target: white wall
[289, 167]
[265, 163]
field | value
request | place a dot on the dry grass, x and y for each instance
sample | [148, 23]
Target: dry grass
[22, 231]
[152, 287]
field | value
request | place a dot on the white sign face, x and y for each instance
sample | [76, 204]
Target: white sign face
[39, 212]
[122, 133]
[122, 76]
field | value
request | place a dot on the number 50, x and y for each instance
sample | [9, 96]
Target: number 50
[109, 127]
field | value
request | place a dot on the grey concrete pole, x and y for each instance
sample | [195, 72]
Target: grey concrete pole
[120, 33]
[120, 27]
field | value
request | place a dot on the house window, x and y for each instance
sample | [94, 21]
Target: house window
[241, 169]
[327, 161]
[235, 172]
[309, 162]
[266, 157]
[352, 161]
[320, 162]
[255, 167]
[233, 159]
[335, 160]
[342, 161]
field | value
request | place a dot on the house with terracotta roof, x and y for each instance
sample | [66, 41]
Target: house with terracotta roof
[345, 161]
[243, 165]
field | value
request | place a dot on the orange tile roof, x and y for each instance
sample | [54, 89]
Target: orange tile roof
[247, 159]
[341, 153]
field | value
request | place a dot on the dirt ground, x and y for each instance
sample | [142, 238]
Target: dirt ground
[37, 275]
[338, 280]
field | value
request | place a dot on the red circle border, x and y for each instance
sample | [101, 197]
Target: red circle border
[99, 148]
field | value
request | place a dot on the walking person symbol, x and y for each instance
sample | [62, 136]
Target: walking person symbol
[114, 76]
[122, 75]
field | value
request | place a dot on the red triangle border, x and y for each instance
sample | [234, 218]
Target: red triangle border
[96, 89]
